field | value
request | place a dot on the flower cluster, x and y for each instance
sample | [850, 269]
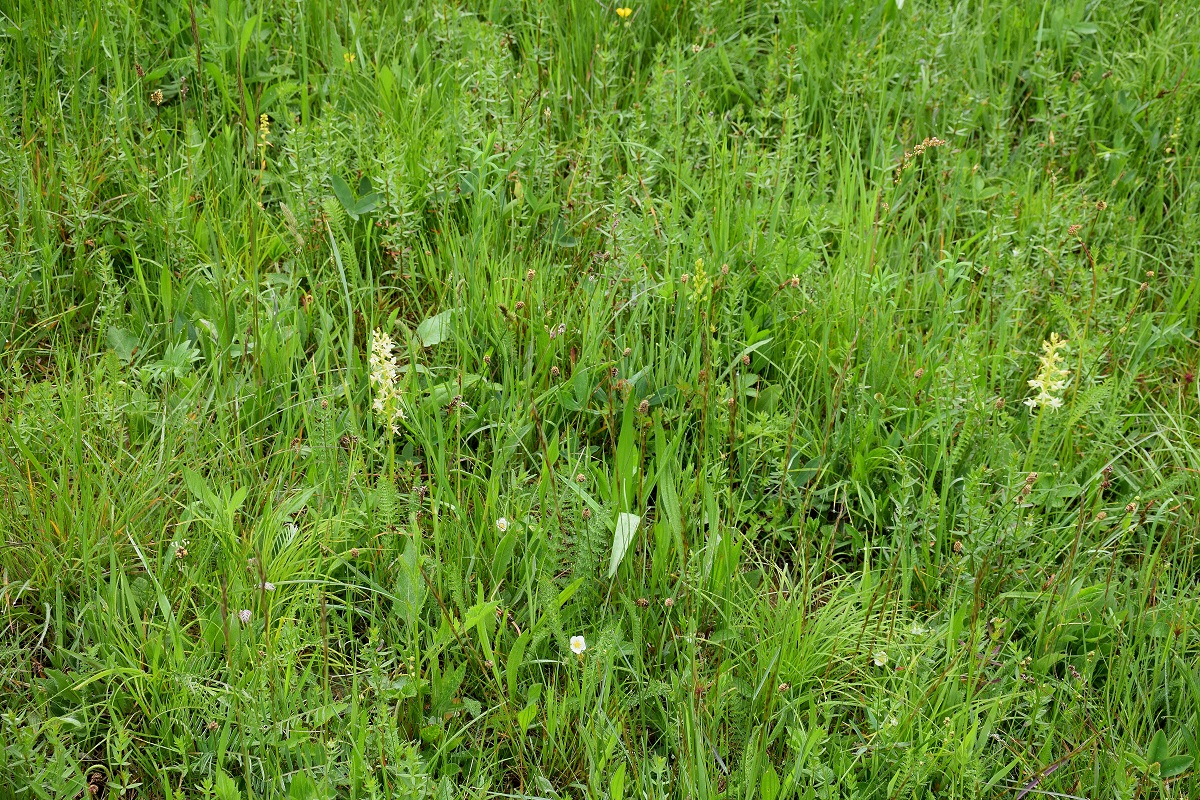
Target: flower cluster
[1052, 376]
[383, 380]
[928, 143]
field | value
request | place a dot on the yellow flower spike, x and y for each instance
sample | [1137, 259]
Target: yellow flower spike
[624, 13]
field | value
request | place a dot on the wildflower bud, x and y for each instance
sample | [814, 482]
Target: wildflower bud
[1150, 274]
[554, 372]
[731, 402]
[1143, 287]
[487, 359]
[244, 615]
[489, 664]
[1101, 516]
[529, 273]
[999, 402]
[324, 404]
[644, 407]
[958, 547]
[354, 552]
[613, 372]
[795, 281]
[683, 278]
[156, 97]
[581, 478]
[643, 602]
[919, 373]
[586, 514]
[626, 352]
[1132, 507]
[669, 602]
[1101, 205]
[746, 360]
[520, 304]
[1031, 477]
[724, 269]
[783, 687]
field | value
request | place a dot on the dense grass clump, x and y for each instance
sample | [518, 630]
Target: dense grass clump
[828, 366]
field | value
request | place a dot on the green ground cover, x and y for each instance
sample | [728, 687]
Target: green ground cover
[829, 367]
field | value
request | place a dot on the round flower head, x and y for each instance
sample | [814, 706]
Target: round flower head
[244, 616]
[502, 524]
[578, 645]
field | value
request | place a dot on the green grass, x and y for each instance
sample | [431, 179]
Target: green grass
[675, 296]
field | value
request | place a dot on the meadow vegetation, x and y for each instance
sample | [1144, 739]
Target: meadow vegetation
[828, 366]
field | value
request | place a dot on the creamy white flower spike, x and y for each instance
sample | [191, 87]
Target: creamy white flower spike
[1051, 379]
[383, 378]
[578, 645]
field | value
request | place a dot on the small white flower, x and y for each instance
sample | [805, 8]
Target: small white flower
[268, 586]
[384, 371]
[244, 616]
[502, 524]
[881, 658]
[578, 645]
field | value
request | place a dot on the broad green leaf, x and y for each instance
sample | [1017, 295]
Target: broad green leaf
[226, 789]
[123, 343]
[561, 236]
[525, 718]
[627, 525]
[616, 787]
[247, 32]
[1174, 765]
[341, 190]
[436, 329]
[769, 785]
[512, 664]
[1157, 750]
[504, 551]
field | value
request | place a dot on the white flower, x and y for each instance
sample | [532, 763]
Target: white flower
[244, 615]
[578, 645]
[502, 524]
[881, 658]
[267, 586]
[1051, 378]
[383, 377]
